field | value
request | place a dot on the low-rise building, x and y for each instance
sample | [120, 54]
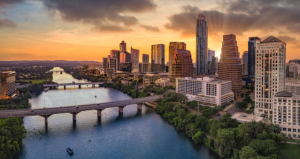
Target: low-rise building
[207, 91]
[286, 113]
[162, 82]
[7, 84]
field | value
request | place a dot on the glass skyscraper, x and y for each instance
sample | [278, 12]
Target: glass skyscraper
[201, 45]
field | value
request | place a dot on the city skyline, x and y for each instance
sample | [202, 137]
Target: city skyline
[44, 30]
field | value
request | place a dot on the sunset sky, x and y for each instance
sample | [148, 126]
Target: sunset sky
[89, 29]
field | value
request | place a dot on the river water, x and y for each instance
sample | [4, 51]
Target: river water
[133, 135]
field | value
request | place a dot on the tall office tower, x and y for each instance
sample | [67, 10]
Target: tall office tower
[201, 44]
[7, 84]
[158, 58]
[252, 44]
[105, 64]
[135, 55]
[125, 57]
[112, 64]
[211, 66]
[182, 65]
[245, 63]
[172, 47]
[269, 73]
[230, 67]
[116, 54]
[217, 65]
[122, 46]
[210, 54]
[145, 58]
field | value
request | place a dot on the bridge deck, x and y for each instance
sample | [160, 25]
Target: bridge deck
[73, 109]
[70, 84]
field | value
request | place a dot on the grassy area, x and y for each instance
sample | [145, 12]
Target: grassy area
[289, 151]
[291, 140]
[35, 81]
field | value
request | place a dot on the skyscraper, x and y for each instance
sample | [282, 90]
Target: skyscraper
[210, 53]
[172, 47]
[115, 54]
[105, 64]
[245, 63]
[135, 60]
[201, 44]
[145, 58]
[122, 46]
[252, 44]
[158, 58]
[269, 73]
[7, 84]
[182, 64]
[230, 67]
[125, 57]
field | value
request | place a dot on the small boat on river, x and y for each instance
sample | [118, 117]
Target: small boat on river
[70, 151]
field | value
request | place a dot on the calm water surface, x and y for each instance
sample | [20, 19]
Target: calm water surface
[133, 135]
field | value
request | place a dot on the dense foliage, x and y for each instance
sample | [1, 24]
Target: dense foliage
[20, 101]
[11, 134]
[133, 90]
[25, 74]
[226, 136]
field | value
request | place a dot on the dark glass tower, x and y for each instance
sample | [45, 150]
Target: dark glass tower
[201, 45]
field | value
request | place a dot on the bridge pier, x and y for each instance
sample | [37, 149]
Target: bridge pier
[74, 116]
[121, 109]
[99, 113]
[65, 87]
[139, 106]
[93, 86]
[79, 86]
[99, 85]
[46, 119]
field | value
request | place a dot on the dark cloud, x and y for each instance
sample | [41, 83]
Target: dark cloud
[6, 23]
[150, 28]
[239, 16]
[111, 28]
[6, 2]
[101, 13]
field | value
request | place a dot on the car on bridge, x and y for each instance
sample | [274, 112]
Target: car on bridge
[31, 110]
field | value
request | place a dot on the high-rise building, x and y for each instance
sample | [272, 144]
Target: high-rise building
[211, 70]
[245, 63]
[269, 73]
[217, 65]
[105, 64]
[230, 67]
[182, 65]
[158, 58]
[210, 53]
[252, 44]
[286, 113]
[112, 64]
[122, 46]
[145, 58]
[201, 44]
[207, 91]
[125, 57]
[135, 55]
[115, 54]
[172, 47]
[211, 62]
[7, 84]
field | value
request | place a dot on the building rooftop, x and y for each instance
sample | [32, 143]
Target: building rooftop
[271, 39]
[206, 79]
[283, 94]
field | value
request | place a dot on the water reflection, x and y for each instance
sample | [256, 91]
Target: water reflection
[134, 134]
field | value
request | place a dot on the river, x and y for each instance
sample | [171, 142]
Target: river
[133, 135]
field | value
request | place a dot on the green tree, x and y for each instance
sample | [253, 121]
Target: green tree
[198, 138]
[193, 104]
[181, 113]
[228, 121]
[226, 143]
[201, 122]
[247, 152]
[190, 129]
[241, 105]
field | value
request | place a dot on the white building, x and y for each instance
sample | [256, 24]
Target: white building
[269, 73]
[286, 110]
[207, 91]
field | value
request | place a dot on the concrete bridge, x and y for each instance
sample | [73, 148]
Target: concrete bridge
[47, 112]
[73, 84]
